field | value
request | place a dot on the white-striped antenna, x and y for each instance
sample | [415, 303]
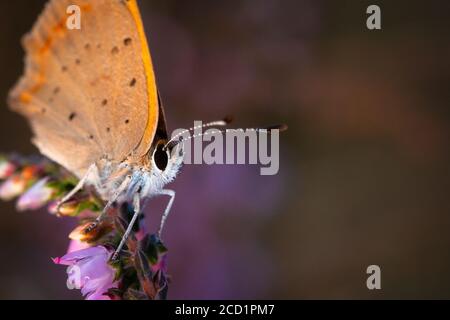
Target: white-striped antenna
[268, 130]
[219, 123]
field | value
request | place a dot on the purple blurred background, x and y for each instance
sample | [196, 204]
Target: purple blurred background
[364, 172]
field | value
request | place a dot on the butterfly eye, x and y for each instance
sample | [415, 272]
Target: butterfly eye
[160, 157]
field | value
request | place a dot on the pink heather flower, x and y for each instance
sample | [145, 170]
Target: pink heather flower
[35, 197]
[89, 271]
[12, 188]
[76, 245]
[6, 169]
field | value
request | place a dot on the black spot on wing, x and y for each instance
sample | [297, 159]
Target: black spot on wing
[72, 116]
[127, 41]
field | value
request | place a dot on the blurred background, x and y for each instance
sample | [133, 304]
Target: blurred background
[364, 168]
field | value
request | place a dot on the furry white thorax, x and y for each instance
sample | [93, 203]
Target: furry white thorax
[121, 181]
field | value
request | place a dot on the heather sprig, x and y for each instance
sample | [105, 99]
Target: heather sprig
[140, 272]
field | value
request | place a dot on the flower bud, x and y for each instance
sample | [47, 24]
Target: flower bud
[84, 234]
[12, 188]
[7, 168]
[35, 197]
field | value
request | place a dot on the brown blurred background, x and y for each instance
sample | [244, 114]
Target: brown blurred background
[364, 174]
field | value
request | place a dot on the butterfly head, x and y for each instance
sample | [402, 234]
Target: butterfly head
[166, 161]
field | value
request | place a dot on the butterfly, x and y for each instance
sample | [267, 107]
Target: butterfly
[91, 99]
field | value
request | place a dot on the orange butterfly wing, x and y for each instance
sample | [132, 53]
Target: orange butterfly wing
[89, 93]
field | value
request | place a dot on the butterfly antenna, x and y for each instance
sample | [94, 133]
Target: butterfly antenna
[268, 130]
[220, 123]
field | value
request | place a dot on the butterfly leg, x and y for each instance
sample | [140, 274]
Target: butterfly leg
[123, 186]
[171, 194]
[137, 209]
[92, 171]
